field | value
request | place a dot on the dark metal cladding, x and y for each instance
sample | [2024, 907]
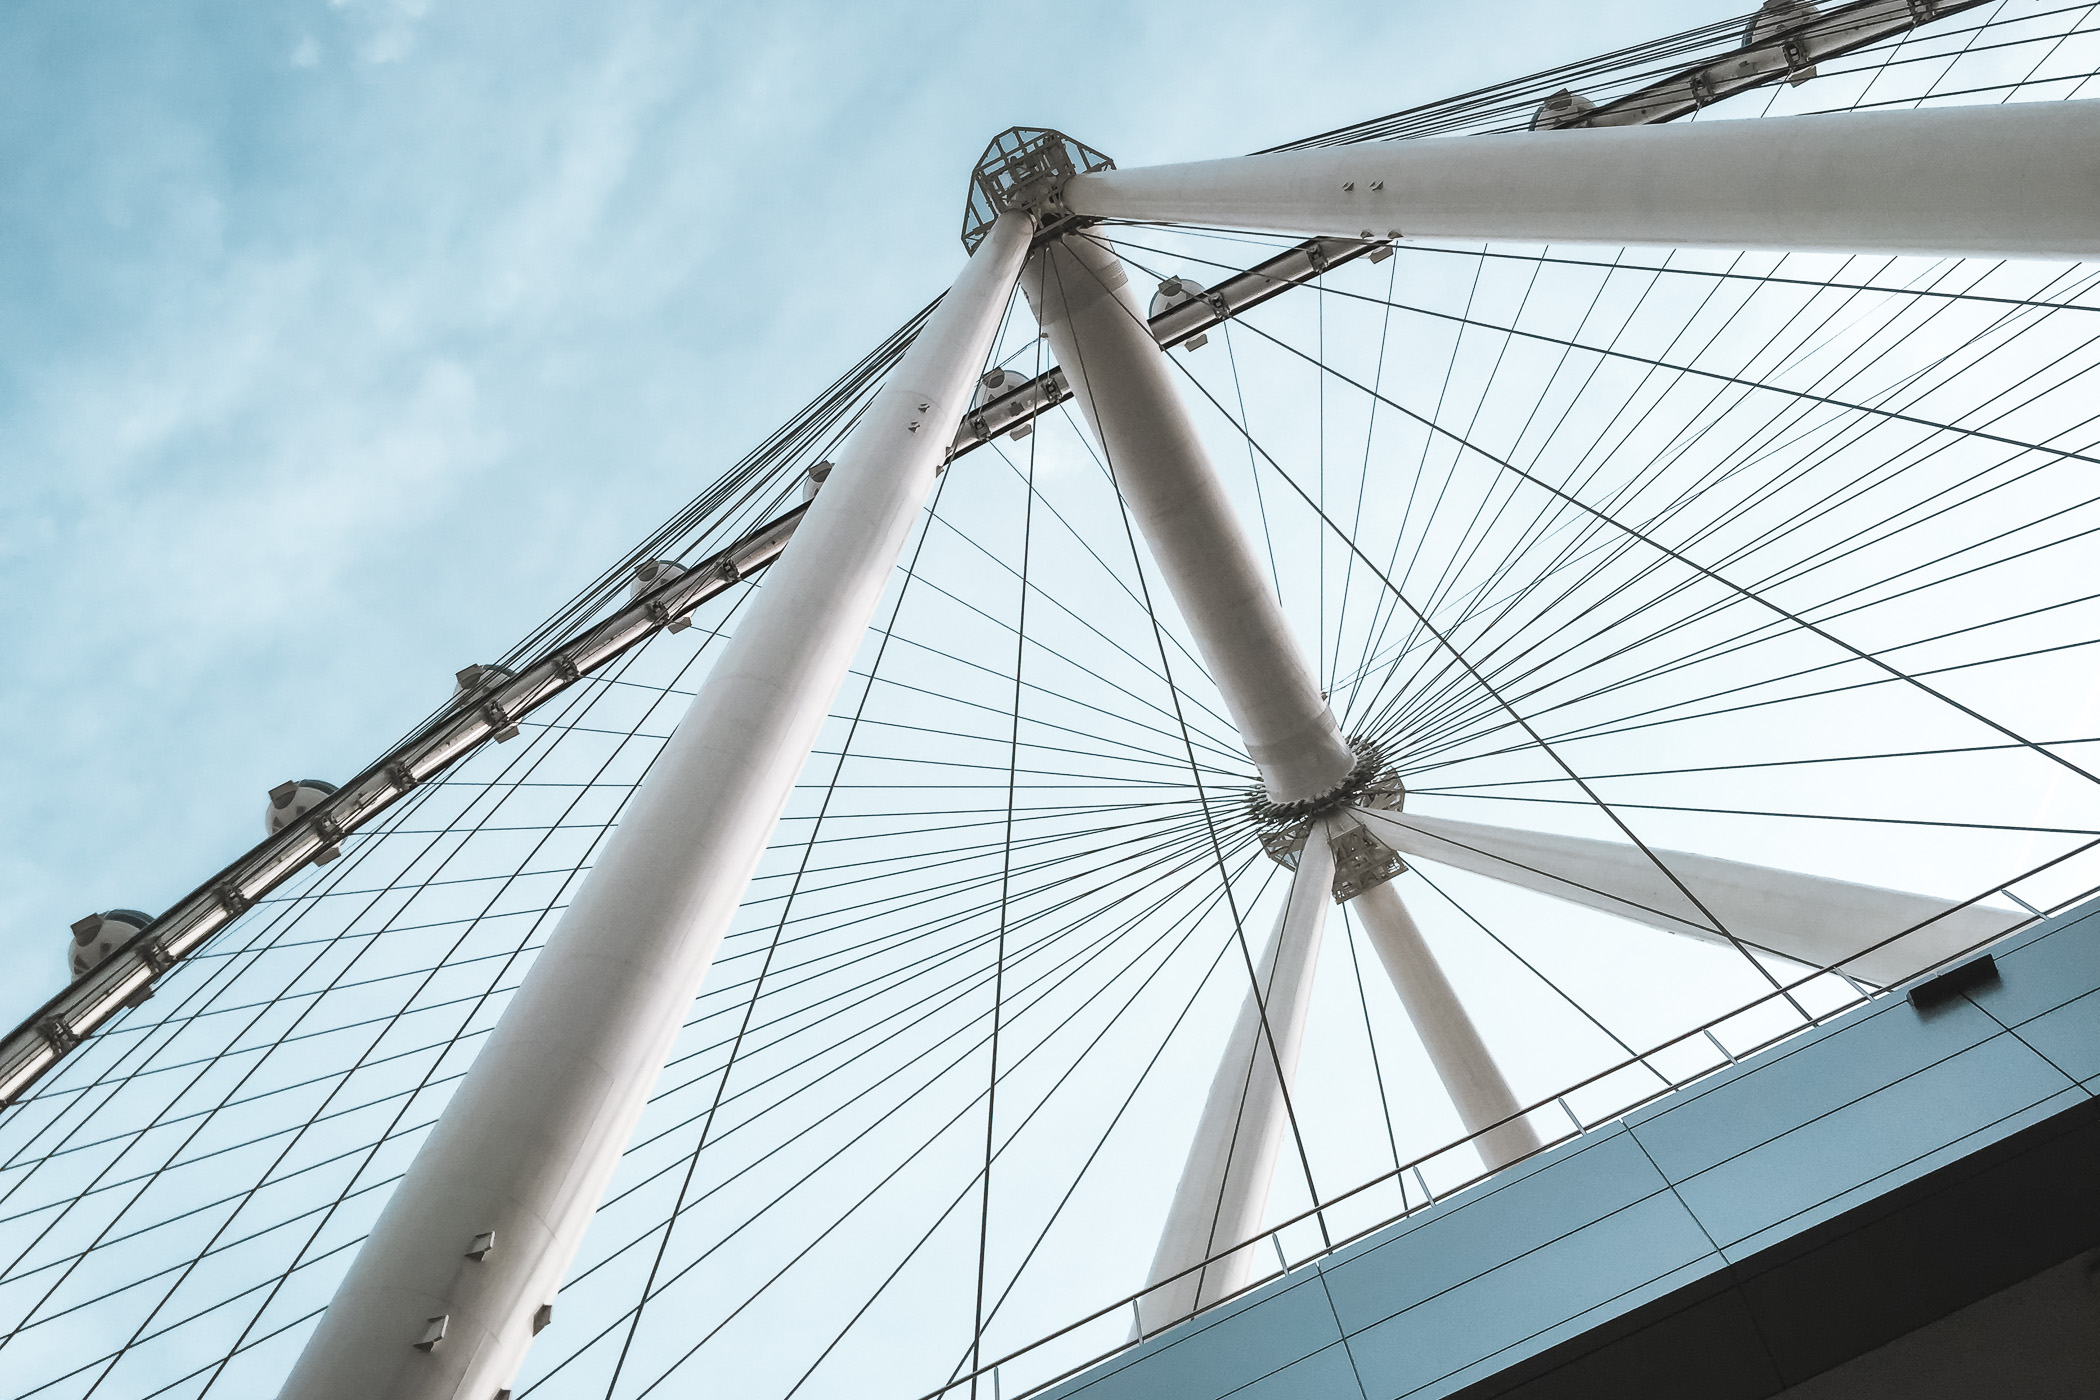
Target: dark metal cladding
[1025, 167]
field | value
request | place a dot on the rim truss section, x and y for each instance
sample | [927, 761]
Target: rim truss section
[1783, 40]
[1177, 325]
[34, 1047]
[489, 705]
[1025, 168]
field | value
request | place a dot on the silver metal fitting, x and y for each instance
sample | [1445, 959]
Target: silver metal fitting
[501, 727]
[1024, 169]
[1285, 846]
[1362, 861]
[1371, 783]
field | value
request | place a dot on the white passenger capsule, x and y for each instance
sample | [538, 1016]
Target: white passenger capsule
[99, 935]
[1177, 291]
[652, 574]
[997, 384]
[1173, 291]
[1772, 19]
[994, 383]
[293, 800]
[1563, 109]
[475, 678]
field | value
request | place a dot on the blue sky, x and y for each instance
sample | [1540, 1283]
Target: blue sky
[340, 341]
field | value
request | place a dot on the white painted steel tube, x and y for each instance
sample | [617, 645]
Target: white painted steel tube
[528, 1142]
[1225, 1185]
[1809, 918]
[2020, 180]
[1469, 1073]
[1122, 383]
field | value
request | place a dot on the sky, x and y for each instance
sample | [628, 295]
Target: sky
[340, 341]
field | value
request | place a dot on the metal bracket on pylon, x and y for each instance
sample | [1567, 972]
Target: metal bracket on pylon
[1285, 846]
[1361, 862]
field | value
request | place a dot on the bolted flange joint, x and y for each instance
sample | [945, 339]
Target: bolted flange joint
[1025, 169]
[1361, 859]
[1371, 783]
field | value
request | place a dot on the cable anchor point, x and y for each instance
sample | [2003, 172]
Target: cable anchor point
[1024, 169]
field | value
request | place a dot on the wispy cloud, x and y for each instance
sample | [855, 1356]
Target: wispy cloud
[339, 342]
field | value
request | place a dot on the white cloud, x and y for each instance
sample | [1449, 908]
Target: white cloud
[321, 391]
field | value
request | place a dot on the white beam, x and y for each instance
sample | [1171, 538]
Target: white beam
[1807, 918]
[528, 1141]
[1082, 298]
[1225, 1185]
[2019, 180]
[1469, 1073]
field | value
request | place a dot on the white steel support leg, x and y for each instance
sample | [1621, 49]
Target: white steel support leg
[1119, 376]
[527, 1143]
[1082, 298]
[1225, 1185]
[1808, 918]
[1477, 1088]
[2020, 180]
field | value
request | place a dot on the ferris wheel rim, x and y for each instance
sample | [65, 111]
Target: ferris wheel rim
[1022, 407]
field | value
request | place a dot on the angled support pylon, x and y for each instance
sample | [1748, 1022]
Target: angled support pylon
[2020, 180]
[525, 1147]
[1225, 1185]
[1486, 1105]
[1861, 929]
[1121, 380]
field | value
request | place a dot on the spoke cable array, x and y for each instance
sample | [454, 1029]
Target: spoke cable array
[1774, 558]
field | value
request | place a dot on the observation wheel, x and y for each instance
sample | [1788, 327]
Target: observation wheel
[1301, 681]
